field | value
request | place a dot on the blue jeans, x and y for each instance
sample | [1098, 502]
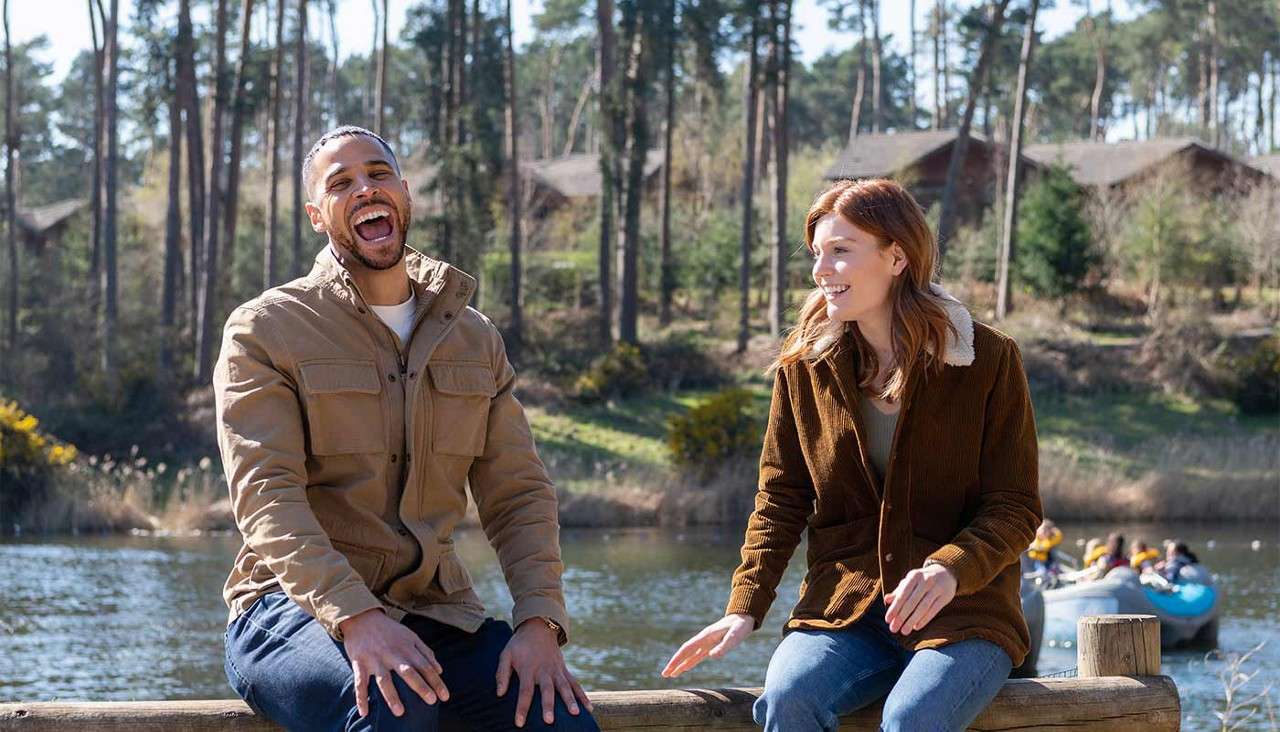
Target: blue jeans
[815, 676]
[289, 670]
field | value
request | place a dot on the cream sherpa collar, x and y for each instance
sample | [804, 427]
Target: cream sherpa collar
[959, 350]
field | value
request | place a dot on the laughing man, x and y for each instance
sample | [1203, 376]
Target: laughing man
[353, 406]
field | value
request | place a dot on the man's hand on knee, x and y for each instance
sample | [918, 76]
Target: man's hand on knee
[533, 653]
[379, 646]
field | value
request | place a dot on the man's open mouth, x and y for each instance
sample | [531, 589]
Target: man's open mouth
[373, 224]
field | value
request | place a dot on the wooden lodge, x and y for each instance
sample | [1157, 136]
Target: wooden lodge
[1124, 166]
[553, 183]
[919, 161]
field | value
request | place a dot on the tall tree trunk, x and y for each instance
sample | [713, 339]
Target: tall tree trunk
[1275, 88]
[10, 203]
[1008, 233]
[380, 103]
[187, 87]
[936, 29]
[860, 85]
[334, 77]
[299, 130]
[911, 69]
[1097, 130]
[781, 143]
[269, 252]
[583, 94]
[213, 226]
[1202, 78]
[637, 148]
[109, 285]
[877, 55]
[946, 221]
[239, 106]
[371, 71]
[95, 195]
[1215, 113]
[666, 267]
[609, 138]
[748, 186]
[1260, 114]
[515, 333]
[944, 21]
[172, 233]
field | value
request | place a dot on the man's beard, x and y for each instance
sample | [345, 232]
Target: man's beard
[346, 241]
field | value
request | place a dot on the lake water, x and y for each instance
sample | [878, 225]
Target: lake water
[141, 617]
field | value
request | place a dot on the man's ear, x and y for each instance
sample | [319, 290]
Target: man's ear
[317, 221]
[408, 195]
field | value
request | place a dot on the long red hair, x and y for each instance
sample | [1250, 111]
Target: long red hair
[884, 209]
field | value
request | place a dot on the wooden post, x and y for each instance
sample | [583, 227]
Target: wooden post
[1118, 645]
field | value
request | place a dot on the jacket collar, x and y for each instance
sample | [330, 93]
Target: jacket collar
[959, 345]
[428, 277]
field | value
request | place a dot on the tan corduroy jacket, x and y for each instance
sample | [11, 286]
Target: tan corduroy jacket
[960, 488]
[347, 455]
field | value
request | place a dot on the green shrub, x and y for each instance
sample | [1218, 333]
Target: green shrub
[620, 373]
[679, 361]
[28, 459]
[718, 429]
[1257, 390]
[1054, 251]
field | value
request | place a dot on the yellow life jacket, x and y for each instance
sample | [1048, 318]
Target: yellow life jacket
[1094, 555]
[1137, 559]
[1040, 548]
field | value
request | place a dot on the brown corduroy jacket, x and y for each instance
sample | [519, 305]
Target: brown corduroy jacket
[961, 488]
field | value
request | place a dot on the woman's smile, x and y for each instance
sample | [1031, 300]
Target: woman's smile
[834, 292]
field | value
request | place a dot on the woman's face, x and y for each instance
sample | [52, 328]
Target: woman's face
[853, 270]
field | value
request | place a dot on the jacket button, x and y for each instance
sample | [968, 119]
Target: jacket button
[391, 376]
[412, 374]
[393, 458]
[402, 531]
[362, 310]
[888, 557]
[448, 316]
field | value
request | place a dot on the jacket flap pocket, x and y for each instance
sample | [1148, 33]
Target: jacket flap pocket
[464, 379]
[366, 561]
[454, 576]
[340, 375]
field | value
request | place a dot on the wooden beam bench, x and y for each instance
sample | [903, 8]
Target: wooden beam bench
[1118, 687]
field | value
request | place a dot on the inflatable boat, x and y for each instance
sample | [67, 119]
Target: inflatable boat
[1188, 609]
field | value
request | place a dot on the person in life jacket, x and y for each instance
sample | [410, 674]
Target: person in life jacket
[1143, 559]
[1114, 555]
[1041, 552]
[1093, 549]
[1177, 556]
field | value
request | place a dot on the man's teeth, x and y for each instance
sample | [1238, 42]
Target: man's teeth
[369, 216]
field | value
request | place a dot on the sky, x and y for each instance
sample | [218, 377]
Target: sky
[66, 24]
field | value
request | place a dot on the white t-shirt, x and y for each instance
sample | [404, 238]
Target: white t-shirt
[398, 317]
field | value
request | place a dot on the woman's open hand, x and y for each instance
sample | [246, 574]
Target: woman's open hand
[919, 597]
[713, 641]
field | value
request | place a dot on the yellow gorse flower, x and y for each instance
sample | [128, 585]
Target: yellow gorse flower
[21, 444]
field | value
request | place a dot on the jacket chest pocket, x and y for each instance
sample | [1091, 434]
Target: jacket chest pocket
[462, 395]
[344, 406]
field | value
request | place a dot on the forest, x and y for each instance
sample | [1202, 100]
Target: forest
[170, 154]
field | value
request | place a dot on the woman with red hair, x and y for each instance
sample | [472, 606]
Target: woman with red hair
[901, 436]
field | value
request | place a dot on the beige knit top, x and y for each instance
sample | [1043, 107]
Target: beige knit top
[880, 428]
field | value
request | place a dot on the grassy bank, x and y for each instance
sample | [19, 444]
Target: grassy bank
[1133, 425]
[1132, 456]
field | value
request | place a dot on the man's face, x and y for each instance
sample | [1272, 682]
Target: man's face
[359, 200]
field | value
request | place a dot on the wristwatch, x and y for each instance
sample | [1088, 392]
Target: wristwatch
[553, 625]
